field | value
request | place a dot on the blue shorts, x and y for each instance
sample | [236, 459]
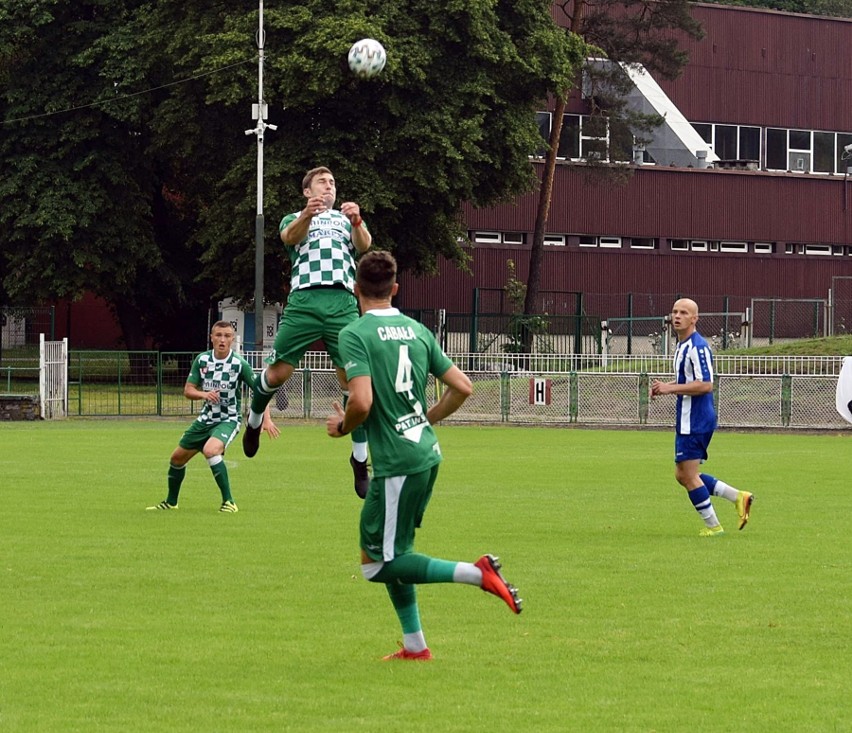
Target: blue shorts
[692, 447]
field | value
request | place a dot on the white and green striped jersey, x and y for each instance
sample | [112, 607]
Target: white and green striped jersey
[326, 256]
[227, 376]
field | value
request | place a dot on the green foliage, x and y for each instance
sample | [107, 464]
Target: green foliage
[142, 188]
[831, 346]
[117, 619]
[522, 329]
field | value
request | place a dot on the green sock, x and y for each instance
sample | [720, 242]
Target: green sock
[414, 568]
[260, 397]
[220, 473]
[175, 479]
[404, 599]
[359, 434]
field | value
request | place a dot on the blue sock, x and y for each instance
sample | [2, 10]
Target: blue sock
[709, 481]
[700, 499]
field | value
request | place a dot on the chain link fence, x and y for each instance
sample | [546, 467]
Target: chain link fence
[841, 305]
[20, 329]
[594, 323]
[558, 389]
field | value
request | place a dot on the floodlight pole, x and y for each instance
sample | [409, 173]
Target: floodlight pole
[259, 111]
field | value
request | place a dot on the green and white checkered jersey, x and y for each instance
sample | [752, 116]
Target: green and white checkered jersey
[398, 354]
[326, 256]
[225, 375]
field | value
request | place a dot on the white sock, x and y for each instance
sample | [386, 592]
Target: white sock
[359, 450]
[255, 419]
[726, 491]
[707, 513]
[414, 642]
[467, 572]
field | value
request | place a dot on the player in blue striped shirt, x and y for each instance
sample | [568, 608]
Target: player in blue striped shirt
[696, 420]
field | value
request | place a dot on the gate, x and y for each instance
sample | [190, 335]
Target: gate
[53, 378]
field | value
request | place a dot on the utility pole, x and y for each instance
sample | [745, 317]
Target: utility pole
[259, 113]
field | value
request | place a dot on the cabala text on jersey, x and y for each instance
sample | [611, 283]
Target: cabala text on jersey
[396, 333]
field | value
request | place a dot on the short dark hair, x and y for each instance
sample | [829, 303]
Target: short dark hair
[376, 274]
[222, 324]
[313, 173]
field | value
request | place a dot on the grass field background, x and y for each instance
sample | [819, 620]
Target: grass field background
[117, 619]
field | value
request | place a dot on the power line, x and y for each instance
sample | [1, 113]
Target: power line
[125, 96]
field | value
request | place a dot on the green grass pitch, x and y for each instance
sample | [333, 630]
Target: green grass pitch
[117, 619]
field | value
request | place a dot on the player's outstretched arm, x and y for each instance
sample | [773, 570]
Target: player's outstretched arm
[357, 408]
[458, 389]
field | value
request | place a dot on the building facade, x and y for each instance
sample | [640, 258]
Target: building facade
[760, 209]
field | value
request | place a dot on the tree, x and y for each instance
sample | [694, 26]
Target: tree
[84, 206]
[449, 120]
[147, 196]
[627, 31]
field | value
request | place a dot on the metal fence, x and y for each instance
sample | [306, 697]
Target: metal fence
[20, 332]
[637, 325]
[544, 389]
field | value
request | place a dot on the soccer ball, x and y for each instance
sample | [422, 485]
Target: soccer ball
[367, 58]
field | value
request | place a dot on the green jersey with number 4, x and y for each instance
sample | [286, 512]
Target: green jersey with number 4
[398, 354]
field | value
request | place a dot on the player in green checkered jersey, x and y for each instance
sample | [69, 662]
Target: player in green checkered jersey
[322, 243]
[389, 358]
[216, 377]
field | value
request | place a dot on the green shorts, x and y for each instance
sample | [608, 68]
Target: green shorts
[392, 511]
[198, 434]
[311, 315]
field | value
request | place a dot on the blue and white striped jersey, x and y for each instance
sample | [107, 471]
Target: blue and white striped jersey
[693, 362]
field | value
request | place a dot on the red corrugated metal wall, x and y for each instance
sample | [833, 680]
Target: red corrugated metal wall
[753, 67]
[778, 69]
[616, 272]
[687, 203]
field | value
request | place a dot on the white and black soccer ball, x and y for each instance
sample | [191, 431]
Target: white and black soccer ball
[367, 58]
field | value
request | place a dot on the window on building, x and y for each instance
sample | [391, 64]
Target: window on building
[728, 246]
[588, 241]
[817, 249]
[542, 119]
[487, 237]
[725, 142]
[679, 245]
[643, 243]
[764, 248]
[776, 149]
[698, 245]
[611, 242]
[749, 143]
[705, 130]
[554, 240]
[823, 160]
[569, 138]
[594, 138]
[800, 140]
[789, 248]
[842, 157]
[799, 157]
[620, 142]
[514, 238]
